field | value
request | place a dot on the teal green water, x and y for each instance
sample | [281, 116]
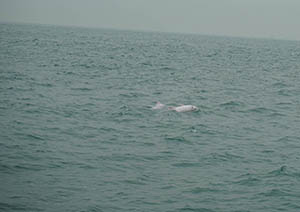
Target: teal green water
[77, 132]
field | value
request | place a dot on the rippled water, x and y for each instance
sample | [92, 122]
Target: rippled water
[77, 132]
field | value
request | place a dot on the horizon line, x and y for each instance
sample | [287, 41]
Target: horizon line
[149, 31]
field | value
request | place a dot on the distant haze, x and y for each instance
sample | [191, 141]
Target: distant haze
[246, 18]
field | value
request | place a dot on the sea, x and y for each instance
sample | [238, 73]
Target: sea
[78, 132]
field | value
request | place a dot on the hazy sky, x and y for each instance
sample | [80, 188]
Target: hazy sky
[250, 18]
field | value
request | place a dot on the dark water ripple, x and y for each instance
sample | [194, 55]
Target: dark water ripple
[77, 132]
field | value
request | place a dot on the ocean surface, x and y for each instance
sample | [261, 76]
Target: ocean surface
[77, 131]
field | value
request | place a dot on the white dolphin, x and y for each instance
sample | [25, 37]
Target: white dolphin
[158, 106]
[184, 108]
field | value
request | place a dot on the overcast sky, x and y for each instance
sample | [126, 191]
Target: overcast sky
[250, 18]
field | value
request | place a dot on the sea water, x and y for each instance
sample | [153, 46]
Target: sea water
[78, 132]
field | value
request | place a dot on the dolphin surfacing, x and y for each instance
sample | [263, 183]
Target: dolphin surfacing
[183, 108]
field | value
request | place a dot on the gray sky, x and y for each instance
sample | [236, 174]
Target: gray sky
[250, 18]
